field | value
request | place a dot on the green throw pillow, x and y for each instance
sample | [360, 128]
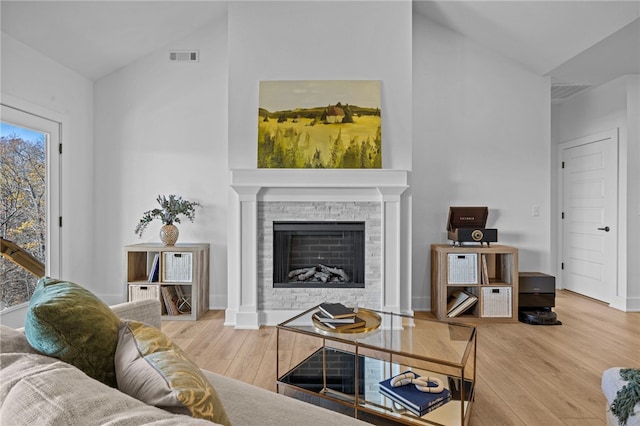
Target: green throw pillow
[68, 322]
[151, 368]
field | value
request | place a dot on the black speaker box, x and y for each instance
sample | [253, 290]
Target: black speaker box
[536, 290]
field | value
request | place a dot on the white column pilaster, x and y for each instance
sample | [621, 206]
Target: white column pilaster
[242, 311]
[392, 285]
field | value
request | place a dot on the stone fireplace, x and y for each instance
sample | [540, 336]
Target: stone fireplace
[318, 254]
[265, 201]
[272, 298]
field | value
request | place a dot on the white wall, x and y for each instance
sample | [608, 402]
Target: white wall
[161, 128]
[609, 106]
[472, 126]
[593, 111]
[320, 40]
[324, 40]
[34, 79]
[481, 136]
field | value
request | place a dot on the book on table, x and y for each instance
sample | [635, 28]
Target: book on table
[323, 318]
[414, 400]
[336, 310]
[357, 323]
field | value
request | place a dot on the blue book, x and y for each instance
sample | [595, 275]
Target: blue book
[155, 269]
[414, 400]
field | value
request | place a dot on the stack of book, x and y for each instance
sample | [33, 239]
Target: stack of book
[338, 317]
[459, 302]
[414, 400]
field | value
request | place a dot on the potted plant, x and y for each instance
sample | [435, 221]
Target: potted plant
[171, 208]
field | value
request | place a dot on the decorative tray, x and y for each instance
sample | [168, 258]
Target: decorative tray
[372, 322]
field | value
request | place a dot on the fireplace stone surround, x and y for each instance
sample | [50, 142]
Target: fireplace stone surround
[260, 196]
[274, 299]
[303, 252]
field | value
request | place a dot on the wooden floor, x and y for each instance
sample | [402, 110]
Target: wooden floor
[527, 375]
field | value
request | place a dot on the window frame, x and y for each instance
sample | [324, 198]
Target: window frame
[32, 117]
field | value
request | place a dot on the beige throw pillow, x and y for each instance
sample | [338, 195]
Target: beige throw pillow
[151, 368]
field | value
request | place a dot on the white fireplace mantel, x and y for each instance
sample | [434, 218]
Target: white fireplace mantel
[319, 178]
[251, 186]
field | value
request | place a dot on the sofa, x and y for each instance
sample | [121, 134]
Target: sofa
[36, 389]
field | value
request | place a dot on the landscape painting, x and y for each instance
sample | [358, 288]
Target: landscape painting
[331, 124]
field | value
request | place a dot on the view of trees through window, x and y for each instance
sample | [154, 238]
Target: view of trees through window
[22, 206]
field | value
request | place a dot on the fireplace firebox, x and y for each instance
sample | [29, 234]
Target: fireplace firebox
[318, 254]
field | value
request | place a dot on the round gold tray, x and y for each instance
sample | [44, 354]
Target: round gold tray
[372, 322]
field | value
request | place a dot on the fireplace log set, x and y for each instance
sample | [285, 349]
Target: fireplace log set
[320, 273]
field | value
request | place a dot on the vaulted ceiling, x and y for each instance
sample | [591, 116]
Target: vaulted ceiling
[575, 42]
[95, 38]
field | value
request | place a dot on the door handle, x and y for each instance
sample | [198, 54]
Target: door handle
[605, 229]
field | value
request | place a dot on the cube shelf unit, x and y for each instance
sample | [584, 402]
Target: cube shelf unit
[181, 274]
[488, 272]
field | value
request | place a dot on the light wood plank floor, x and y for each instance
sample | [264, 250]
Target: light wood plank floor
[527, 375]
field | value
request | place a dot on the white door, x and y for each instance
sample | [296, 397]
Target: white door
[590, 211]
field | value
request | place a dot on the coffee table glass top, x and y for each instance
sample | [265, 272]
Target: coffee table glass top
[429, 340]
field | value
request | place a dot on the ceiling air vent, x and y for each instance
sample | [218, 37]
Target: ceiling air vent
[562, 91]
[184, 56]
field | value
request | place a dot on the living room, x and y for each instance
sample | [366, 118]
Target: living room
[469, 125]
[443, 94]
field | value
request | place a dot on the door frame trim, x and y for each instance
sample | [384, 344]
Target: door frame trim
[613, 134]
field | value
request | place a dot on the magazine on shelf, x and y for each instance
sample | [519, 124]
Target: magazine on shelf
[485, 270]
[456, 298]
[155, 269]
[463, 307]
[414, 400]
[336, 310]
[170, 300]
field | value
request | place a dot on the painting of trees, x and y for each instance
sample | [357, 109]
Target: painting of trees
[22, 211]
[297, 128]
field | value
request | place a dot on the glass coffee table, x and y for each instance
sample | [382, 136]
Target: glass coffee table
[341, 371]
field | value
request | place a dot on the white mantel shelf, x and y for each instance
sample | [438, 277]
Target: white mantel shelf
[320, 178]
[249, 187]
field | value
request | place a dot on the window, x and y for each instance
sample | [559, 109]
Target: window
[29, 199]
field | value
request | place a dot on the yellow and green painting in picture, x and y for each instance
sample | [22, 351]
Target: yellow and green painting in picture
[331, 124]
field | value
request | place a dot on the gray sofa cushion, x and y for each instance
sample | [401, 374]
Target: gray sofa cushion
[37, 389]
[145, 310]
[249, 405]
[14, 341]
